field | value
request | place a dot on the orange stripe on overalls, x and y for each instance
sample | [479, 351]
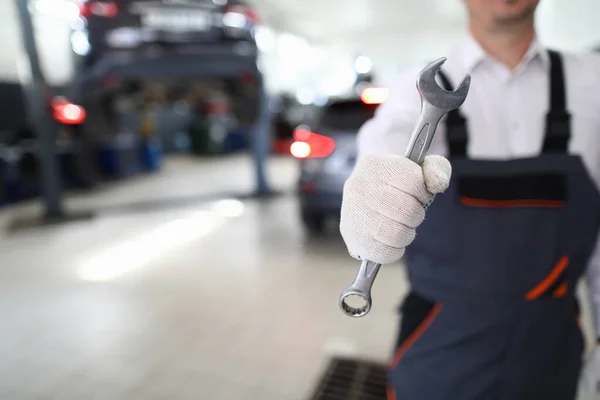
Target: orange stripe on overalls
[423, 326]
[549, 280]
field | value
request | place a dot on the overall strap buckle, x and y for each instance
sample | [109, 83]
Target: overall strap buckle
[558, 132]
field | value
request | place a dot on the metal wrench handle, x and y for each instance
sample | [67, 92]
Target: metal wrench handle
[420, 139]
[419, 143]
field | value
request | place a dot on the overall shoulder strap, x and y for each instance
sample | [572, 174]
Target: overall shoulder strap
[558, 119]
[456, 126]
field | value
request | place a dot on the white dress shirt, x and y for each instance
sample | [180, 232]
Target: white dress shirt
[505, 113]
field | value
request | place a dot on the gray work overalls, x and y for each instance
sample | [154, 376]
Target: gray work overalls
[492, 313]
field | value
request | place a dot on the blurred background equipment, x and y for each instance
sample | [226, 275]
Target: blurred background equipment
[169, 52]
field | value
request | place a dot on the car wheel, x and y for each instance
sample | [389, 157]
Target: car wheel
[314, 222]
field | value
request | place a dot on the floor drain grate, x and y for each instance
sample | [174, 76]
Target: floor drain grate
[352, 379]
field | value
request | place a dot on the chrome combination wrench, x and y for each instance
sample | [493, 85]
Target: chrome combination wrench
[435, 103]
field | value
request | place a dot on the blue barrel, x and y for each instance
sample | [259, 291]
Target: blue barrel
[151, 155]
[121, 157]
[236, 140]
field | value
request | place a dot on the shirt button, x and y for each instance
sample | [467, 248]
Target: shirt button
[515, 125]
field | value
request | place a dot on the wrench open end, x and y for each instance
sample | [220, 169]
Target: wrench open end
[437, 96]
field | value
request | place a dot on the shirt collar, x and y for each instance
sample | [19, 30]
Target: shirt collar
[473, 54]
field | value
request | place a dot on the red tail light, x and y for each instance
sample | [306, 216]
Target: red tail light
[66, 113]
[282, 146]
[374, 95]
[106, 9]
[250, 14]
[311, 145]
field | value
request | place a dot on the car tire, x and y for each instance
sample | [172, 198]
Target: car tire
[314, 222]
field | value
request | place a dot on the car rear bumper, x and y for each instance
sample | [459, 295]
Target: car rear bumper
[321, 202]
[210, 61]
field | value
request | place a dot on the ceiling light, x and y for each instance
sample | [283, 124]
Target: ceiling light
[363, 65]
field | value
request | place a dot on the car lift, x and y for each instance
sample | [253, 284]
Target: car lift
[39, 97]
[262, 137]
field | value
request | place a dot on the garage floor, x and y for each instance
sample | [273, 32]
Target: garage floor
[178, 290]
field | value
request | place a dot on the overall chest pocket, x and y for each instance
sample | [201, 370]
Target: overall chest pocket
[512, 227]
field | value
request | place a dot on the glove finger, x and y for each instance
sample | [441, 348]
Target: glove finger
[382, 253]
[369, 248]
[398, 172]
[437, 172]
[394, 234]
[400, 206]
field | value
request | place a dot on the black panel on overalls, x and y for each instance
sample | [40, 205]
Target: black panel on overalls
[493, 269]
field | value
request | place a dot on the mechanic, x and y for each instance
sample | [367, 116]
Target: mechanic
[493, 266]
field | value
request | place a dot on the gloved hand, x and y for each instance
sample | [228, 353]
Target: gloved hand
[590, 377]
[384, 202]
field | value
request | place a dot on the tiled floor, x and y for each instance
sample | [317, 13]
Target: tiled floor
[215, 300]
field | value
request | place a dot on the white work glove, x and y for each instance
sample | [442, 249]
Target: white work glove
[589, 388]
[384, 202]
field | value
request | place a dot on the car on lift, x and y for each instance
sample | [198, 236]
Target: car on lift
[327, 154]
[165, 51]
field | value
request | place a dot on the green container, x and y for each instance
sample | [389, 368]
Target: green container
[203, 137]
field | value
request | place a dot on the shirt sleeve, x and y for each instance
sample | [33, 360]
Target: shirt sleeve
[593, 281]
[591, 64]
[390, 129]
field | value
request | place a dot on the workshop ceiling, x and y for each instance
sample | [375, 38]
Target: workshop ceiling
[357, 24]
[392, 33]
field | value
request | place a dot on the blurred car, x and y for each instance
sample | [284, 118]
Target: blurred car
[327, 154]
[51, 23]
[52, 32]
[165, 51]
